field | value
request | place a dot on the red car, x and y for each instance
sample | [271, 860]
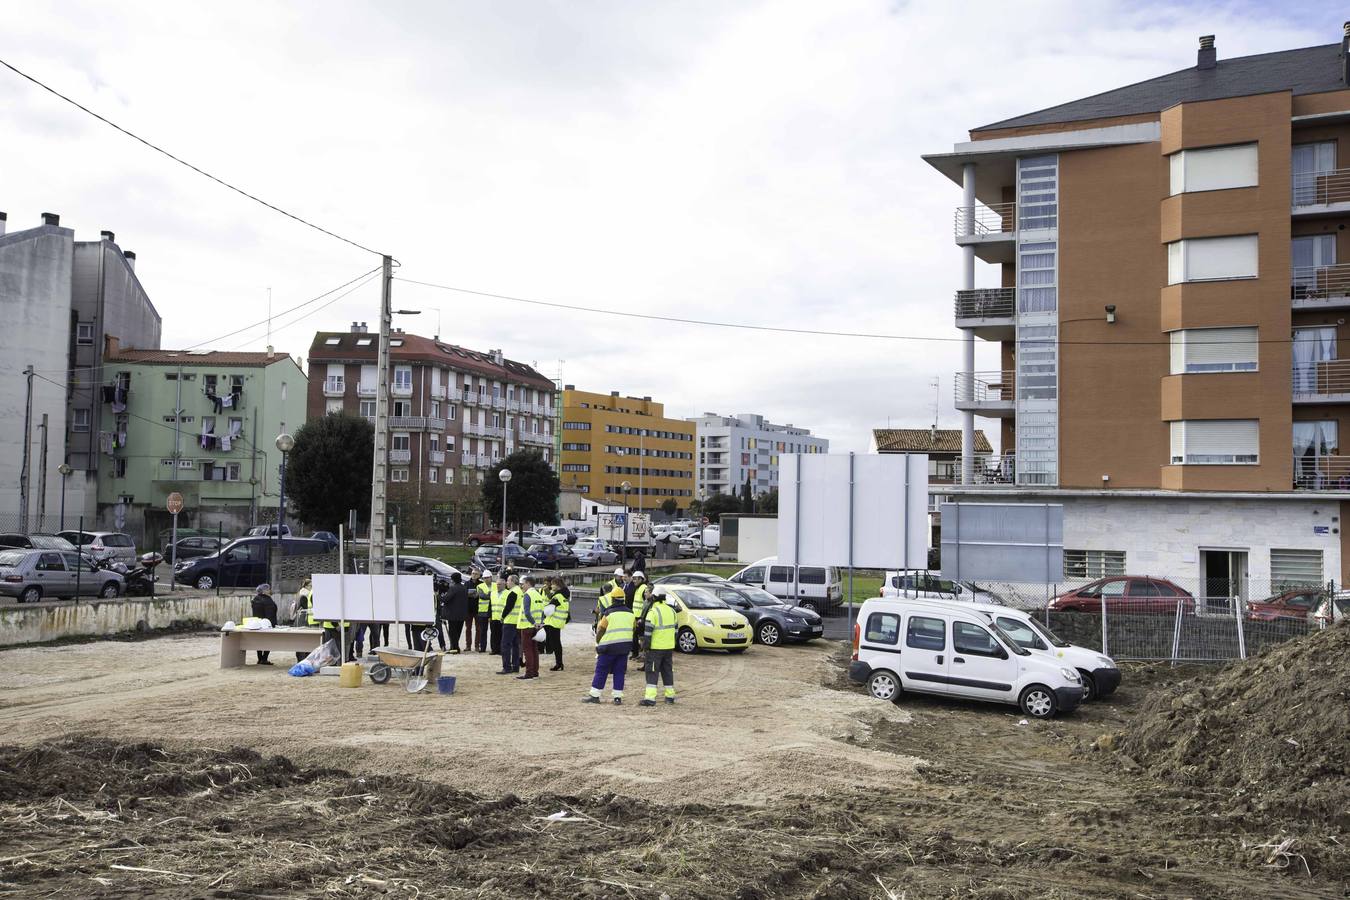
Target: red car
[487, 536]
[1126, 594]
[1297, 604]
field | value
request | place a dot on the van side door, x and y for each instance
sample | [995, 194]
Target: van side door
[980, 666]
[879, 640]
[926, 658]
[811, 582]
[782, 582]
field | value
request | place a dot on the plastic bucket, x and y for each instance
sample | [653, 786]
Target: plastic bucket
[349, 676]
[446, 684]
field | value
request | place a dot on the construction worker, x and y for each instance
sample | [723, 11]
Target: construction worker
[471, 589]
[304, 600]
[483, 597]
[613, 638]
[331, 630]
[510, 622]
[561, 599]
[659, 639]
[602, 601]
[636, 592]
[531, 619]
[497, 600]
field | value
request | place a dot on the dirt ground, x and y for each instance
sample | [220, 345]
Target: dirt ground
[143, 768]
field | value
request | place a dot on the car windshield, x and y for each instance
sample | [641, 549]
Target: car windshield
[696, 599]
[11, 558]
[1049, 635]
[1007, 640]
[50, 542]
[761, 597]
[538, 548]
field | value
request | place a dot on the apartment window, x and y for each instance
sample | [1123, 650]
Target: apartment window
[332, 341]
[1038, 193]
[1198, 350]
[1036, 277]
[368, 409]
[79, 420]
[577, 426]
[449, 443]
[398, 475]
[402, 408]
[1311, 164]
[451, 412]
[449, 476]
[1093, 564]
[84, 333]
[431, 474]
[1310, 256]
[1216, 442]
[1213, 169]
[435, 409]
[403, 378]
[1295, 568]
[1211, 259]
[333, 406]
[364, 342]
[398, 442]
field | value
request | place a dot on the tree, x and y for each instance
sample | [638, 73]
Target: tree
[717, 504]
[669, 506]
[695, 507]
[329, 471]
[532, 495]
[747, 497]
[768, 502]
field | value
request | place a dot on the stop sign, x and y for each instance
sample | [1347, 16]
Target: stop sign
[174, 503]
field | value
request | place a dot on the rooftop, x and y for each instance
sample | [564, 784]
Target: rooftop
[197, 358]
[925, 440]
[362, 346]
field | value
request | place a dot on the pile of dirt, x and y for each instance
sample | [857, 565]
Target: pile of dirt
[1267, 735]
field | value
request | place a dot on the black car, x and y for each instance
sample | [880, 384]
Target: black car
[36, 542]
[424, 565]
[192, 548]
[327, 537]
[243, 563]
[489, 556]
[774, 621]
[553, 556]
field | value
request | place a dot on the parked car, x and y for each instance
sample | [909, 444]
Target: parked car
[817, 588]
[705, 622]
[104, 544]
[242, 563]
[489, 556]
[772, 621]
[594, 552]
[556, 533]
[952, 650]
[267, 531]
[931, 587]
[526, 538]
[1297, 604]
[32, 575]
[486, 536]
[424, 565]
[699, 578]
[327, 537]
[1128, 594]
[36, 542]
[553, 556]
[192, 547]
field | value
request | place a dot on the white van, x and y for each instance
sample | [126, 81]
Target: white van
[1100, 674]
[816, 588]
[933, 647]
[927, 586]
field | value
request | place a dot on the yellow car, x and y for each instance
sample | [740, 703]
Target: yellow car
[704, 622]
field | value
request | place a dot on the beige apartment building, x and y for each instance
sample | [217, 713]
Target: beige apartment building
[1168, 313]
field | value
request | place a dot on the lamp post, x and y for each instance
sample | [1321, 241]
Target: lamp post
[65, 471]
[285, 443]
[505, 476]
[627, 486]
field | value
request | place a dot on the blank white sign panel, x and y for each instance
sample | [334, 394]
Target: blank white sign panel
[371, 598]
[816, 493]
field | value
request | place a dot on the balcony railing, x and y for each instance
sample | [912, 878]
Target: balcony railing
[499, 403]
[979, 220]
[986, 468]
[986, 303]
[437, 457]
[400, 456]
[334, 387]
[467, 458]
[1313, 286]
[438, 392]
[484, 460]
[401, 390]
[542, 440]
[470, 398]
[367, 390]
[985, 387]
[1325, 379]
[416, 423]
[494, 431]
[1322, 473]
[474, 428]
[1320, 188]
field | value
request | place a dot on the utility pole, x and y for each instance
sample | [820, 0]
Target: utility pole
[27, 451]
[377, 483]
[42, 479]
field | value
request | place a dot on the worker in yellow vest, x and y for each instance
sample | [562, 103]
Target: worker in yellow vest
[602, 602]
[530, 620]
[659, 640]
[332, 631]
[636, 592]
[510, 623]
[561, 598]
[483, 596]
[497, 600]
[613, 639]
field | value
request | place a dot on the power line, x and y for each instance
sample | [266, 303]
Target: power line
[183, 162]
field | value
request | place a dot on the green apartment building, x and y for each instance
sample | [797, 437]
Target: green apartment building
[202, 423]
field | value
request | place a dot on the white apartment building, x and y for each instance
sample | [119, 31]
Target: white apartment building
[734, 448]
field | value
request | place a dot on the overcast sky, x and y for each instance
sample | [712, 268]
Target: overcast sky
[752, 162]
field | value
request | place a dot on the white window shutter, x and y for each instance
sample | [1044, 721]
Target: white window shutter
[1214, 169]
[1220, 257]
[1220, 349]
[1178, 441]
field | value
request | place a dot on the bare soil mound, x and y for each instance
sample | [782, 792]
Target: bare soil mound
[1267, 735]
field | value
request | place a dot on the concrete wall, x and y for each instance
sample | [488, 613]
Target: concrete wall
[48, 621]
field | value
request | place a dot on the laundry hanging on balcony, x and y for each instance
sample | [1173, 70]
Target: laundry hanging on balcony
[208, 437]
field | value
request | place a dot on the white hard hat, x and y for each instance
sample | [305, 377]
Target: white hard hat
[641, 575]
[618, 571]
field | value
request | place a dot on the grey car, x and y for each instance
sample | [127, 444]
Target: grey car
[593, 552]
[33, 575]
[104, 544]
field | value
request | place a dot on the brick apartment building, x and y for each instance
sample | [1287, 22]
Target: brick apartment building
[453, 413]
[1156, 247]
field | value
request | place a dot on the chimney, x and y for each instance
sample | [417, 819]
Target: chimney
[1206, 58]
[1345, 54]
[498, 358]
[4, 219]
[356, 328]
[108, 236]
[110, 346]
[130, 257]
[51, 219]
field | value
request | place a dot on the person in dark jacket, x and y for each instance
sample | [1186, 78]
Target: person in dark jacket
[264, 607]
[639, 561]
[456, 609]
[442, 590]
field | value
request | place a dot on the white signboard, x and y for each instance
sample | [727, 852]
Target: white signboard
[864, 510]
[374, 598]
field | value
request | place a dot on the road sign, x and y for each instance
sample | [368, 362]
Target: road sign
[174, 503]
[619, 518]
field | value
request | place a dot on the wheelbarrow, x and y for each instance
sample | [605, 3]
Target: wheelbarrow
[414, 670]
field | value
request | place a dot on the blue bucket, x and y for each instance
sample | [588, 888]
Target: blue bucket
[446, 684]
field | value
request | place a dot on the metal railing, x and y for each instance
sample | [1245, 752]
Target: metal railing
[494, 431]
[530, 437]
[985, 387]
[1323, 378]
[474, 428]
[467, 458]
[986, 303]
[400, 456]
[416, 423]
[1000, 218]
[499, 403]
[1312, 284]
[437, 457]
[334, 386]
[367, 390]
[469, 398]
[1320, 188]
[401, 390]
[1322, 473]
[484, 460]
[438, 392]
[986, 468]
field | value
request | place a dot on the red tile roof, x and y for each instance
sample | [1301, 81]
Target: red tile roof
[415, 348]
[925, 440]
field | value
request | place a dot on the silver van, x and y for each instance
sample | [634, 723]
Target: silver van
[33, 575]
[816, 588]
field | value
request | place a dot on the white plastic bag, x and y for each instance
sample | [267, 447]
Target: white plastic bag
[326, 654]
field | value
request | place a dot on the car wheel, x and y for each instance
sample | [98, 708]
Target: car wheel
[1038, 701]
[810, 604]
[473, 543]
[31, 594]
[206, 581]
[686, 641]
[884, 685]
[110, 590]
[1089, 688]
[769, 634]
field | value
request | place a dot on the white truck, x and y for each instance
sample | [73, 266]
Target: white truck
[609, 527]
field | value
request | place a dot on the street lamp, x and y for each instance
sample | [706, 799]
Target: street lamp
[505, 476]
[65, 471]
[285, 443]
[627, 486]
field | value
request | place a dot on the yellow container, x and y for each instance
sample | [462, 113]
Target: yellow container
[350, 675]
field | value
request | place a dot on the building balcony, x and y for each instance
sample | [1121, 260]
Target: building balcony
[987, 469]
[416, 423]
[367, 390]
[334, 387]
[986, 393]
[400, 457]
[438, 392]
[1320, 287]
[473, 428]
[469, 398]
[494, 431]
[467, 458]
[987, 311]
[498, 403]
[539, 440]
[1322, 473]
[401, 390]
[437, 457]
[483, 461]
[1323, 381]
[991, 230]
[1315, 194]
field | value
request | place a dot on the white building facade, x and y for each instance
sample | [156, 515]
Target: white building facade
[732, 449]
